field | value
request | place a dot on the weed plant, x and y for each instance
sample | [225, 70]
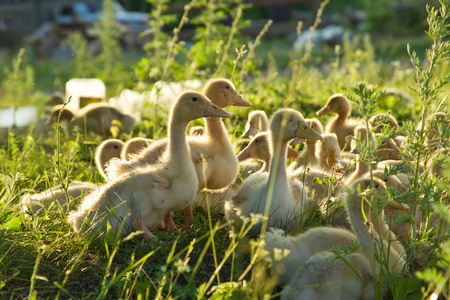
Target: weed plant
[18, 82]
[42, 257]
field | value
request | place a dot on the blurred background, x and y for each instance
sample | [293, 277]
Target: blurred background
[25, 21]
[45, 29]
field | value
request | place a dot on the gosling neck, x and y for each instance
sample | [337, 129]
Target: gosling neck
[391, 245]
[342, 116]
[177, 144]
[214, 127]
[277, 168]
[359, 225]
[361, 167]
[311, 148]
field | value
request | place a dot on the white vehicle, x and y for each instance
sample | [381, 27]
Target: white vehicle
[132, 20]
[78, 13]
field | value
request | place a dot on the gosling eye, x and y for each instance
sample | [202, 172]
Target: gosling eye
[227, 87]
[116, 147]
[305, 127]
[194, 99]
[377, 186]
[256, 141]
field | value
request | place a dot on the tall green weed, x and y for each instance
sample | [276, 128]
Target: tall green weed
[18, 83]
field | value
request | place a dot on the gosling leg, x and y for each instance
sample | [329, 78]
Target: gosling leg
[169, 223]
[138, 224]
[189, 216]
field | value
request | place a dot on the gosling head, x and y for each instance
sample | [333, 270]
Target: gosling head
[380, 121]
[330, 150]
[223, 93]
[304, 131]
[391, 181]
[336, 104]
[55, 99]
[197, 130]
[107, 150]
[61, 112]
[438, 120]
[257, 122]
[257, 148]
[362, 195]
[360, 133]
[388, 150]
[439, 163]
[192, 105]
[134, 146]
[292, 125]
[315, 124]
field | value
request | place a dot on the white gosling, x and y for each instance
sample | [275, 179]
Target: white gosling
[134, 146]
[140, 200]
[342, 125]
[214, 147]
[328, 152]
[318, 182]
[257, 122]
[401, 230]
[98, 118]
[197, 130]
[55, 199]
[381, 121]
[326, 276]
[259, 149]
[255, 157]
[301, 247]
[107, 150]
[340, 217]
[308, 156]
[285, 199]
[387, 150]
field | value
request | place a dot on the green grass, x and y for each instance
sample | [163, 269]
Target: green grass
[43, 258]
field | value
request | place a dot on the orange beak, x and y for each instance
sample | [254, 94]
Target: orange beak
[239, 101]
[323, 111]
[245, 154]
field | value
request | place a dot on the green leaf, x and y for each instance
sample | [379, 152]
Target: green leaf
[231, 290]
[13, 224]
[408, 289]
[110, 237]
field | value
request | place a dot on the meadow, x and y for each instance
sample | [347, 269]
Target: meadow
[43, 258]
